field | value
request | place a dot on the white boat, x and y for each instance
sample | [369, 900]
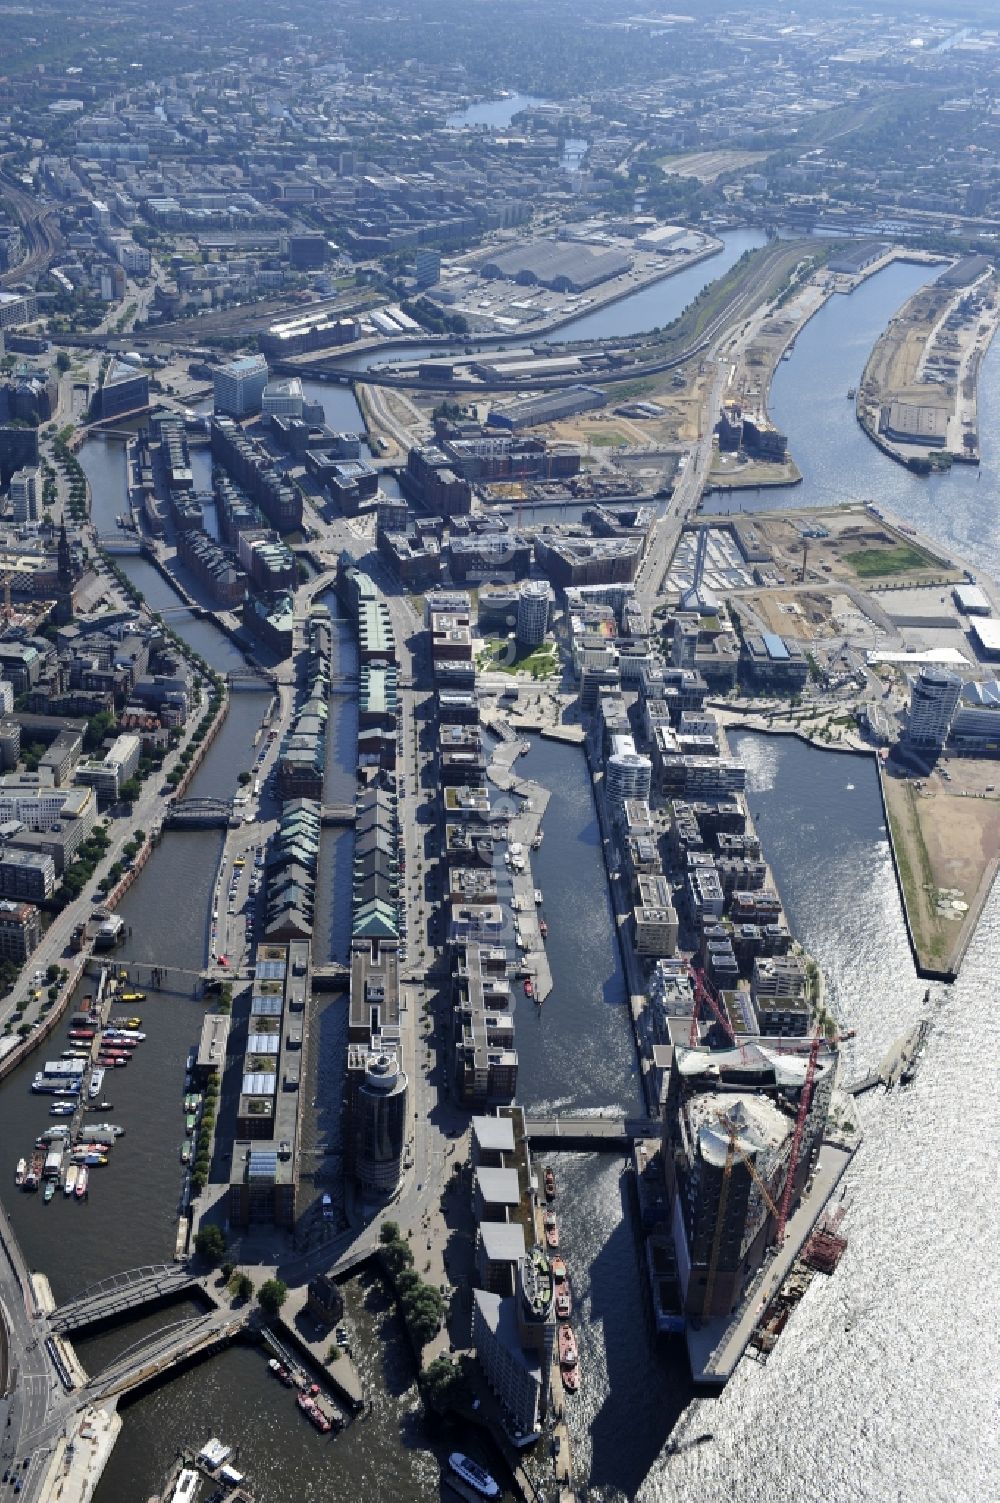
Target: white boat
[475, 1476]
[69, 1185]
[538, 897]
[96, 1082]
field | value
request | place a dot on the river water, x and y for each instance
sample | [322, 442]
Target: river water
[881, 1384]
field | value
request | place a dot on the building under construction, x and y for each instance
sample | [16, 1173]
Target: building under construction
[741, 1133]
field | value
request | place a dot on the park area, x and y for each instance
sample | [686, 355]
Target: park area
[505, 655]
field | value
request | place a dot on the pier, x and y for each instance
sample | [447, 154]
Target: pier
[899, 1062]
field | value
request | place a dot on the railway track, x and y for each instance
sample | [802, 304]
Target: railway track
[40, 234]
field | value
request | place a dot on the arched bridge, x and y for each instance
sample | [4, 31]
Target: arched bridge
[122, 1294]
[148, 1359]
[199, 814]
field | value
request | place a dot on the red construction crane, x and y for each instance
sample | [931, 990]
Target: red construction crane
[705, 992]
[800, 1122]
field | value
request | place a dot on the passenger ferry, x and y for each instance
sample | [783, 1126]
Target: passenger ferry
[473, 1475]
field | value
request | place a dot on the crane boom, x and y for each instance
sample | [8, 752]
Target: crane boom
[705, 992]
[800, 1123]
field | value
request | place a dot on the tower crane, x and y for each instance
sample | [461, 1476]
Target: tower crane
[805, 1100]
[720, 1217]
[732, 1152]
[705, 992]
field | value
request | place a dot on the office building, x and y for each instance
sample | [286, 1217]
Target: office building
[239, 386]
[29, 875]
[109, 775]
[975, 725]
[533, 604]
[263, 1182]
[627, 774]
[25, 494]
[428, 266]
[282, 397]
[379, 1122]
[934, 696]
[125, 388]
[20, 930]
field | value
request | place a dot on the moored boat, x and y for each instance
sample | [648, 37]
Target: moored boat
[550, 1183]
[568, 1355]
[313, 1412]
[474, 1475]
[529, 987]
[185, 1152]
[543, 928]
[96, 1082]
[34, 1173]
[49, 1191]
[20, 1172]
[69, 1184]
[551, 1226]
[564, 1300]
[82, 1182]
[570, 1378]
[62, 1109]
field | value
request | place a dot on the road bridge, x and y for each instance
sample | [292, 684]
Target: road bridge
[199, 814]
[123, 1294]
[119, 543]
[338, 814]
[597, 1134]
[251, 678]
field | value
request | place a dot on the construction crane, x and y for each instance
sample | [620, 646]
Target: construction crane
[805, 1101]
[705, 992]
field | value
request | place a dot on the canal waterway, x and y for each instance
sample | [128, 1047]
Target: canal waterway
[575, 1052]
[651, 307]
[961, 508]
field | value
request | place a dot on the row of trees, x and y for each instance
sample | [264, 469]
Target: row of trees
[420, 1303]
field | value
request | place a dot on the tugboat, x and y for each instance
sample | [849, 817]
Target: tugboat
[551, 1226]
[543, 928]
[529, 987]
[564, 1300]
[550, 1183]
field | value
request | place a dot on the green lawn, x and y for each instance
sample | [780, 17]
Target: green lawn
[871, 563]
[540, 663]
